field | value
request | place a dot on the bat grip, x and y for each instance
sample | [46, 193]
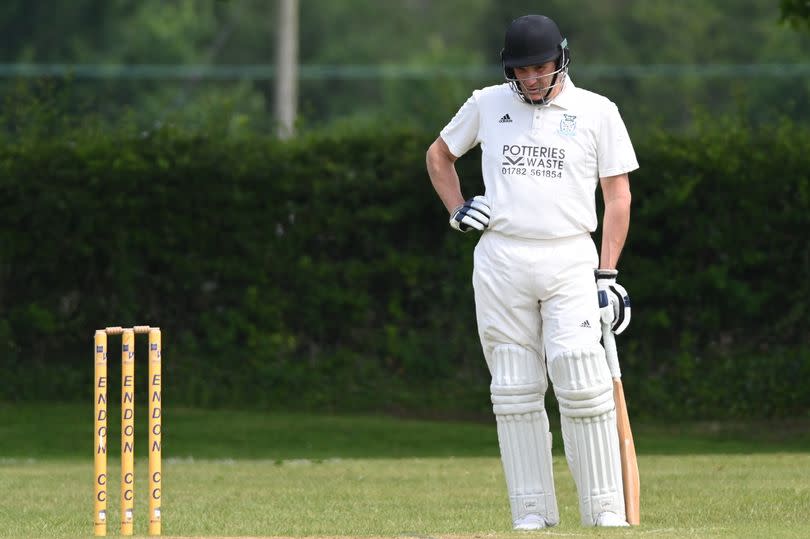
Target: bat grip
[609, 343]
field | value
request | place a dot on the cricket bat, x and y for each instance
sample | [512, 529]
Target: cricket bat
[627, 448]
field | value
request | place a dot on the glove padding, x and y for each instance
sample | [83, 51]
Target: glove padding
[617, 311]
[474, 213]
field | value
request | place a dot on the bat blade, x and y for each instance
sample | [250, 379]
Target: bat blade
[627, 447]
[627, 452]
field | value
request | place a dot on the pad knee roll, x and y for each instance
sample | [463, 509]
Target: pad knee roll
[518, 380]
[582, 383]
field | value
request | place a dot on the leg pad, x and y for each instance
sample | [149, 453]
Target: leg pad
[584, 390]
[518, 390]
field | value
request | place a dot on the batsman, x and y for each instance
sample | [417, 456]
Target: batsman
[545, 146]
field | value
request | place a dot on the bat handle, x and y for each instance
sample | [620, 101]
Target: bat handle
[609, 342]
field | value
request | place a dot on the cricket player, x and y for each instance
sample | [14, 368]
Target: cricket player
[546, 144]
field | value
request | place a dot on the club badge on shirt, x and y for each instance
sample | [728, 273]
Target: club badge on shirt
[568, 125]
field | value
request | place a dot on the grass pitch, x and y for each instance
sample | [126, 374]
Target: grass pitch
[246, 474]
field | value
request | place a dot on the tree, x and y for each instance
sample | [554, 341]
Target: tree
[796, 13]
[414, 61]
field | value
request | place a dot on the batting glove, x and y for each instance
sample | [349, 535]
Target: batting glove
[474, 213]
[617, 311]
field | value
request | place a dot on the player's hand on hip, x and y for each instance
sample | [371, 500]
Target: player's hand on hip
[617, 311]
[473, 214]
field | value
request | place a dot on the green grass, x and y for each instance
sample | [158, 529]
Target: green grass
[230, 473]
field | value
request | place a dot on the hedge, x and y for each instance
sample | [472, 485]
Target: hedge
[320, 274]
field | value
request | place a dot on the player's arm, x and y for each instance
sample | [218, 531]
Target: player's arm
[616, 221]
[442, 171]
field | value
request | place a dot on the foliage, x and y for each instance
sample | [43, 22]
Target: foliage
[655, 58]
[796, 12]
[715, 266]
[320, 273]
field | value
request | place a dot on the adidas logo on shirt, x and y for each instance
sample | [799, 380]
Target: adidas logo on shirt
[505, 120]
[585, 324]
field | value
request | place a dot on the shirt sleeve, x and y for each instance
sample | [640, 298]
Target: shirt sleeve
[615, 154]
[461, 134]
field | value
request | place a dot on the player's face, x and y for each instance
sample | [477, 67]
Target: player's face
[535, 80]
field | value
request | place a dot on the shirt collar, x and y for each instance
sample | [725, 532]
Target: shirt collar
[565, 98]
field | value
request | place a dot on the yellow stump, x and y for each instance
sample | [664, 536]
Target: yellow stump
[100, 436]
[155, 425]
[127, 430]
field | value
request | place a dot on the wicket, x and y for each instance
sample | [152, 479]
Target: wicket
[127, 428]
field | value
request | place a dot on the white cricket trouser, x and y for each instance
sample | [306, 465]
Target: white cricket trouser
[523, 286]
[536, 299]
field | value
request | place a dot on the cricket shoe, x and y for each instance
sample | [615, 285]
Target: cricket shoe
[529, 523]
[610, 520]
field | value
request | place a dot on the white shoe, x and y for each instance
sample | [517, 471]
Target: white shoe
[530, 522]
[610, 520]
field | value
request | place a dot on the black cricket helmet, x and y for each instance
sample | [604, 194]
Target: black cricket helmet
[534, 40]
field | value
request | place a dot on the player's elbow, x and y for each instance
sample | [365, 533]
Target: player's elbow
[431, 156]
[438, 155]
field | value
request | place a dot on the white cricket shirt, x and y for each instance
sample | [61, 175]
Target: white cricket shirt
[541, 164]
